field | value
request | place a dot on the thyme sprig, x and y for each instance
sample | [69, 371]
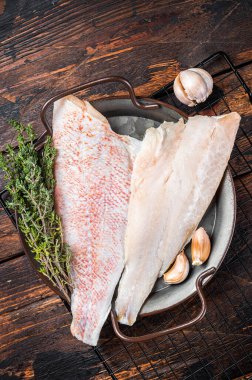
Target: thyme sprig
[30, 182]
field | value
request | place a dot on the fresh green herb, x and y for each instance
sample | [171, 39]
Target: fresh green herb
[31, 186]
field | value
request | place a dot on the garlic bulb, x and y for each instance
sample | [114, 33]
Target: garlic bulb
[201, 246]
[193, 86]
[179, 270]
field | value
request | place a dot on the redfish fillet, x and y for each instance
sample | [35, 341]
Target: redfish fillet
[92, 170]
[169, 197]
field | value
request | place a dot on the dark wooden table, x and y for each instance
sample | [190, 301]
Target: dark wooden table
[48, 46]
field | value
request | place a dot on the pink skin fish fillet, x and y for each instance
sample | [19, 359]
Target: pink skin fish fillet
[175, 176]
[92, 171]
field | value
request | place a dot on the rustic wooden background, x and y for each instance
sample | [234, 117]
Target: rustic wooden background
[48, 46]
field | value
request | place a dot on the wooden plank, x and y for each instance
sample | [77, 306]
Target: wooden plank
[35, 336]
[9, 241]
[103, 38]
[2, 6]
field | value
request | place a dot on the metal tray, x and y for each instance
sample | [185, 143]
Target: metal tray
[132, 116]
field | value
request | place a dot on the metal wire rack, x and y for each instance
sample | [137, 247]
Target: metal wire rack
[219, 347]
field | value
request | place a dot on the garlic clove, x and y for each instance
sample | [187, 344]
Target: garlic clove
[193, 86]
[179, 270]
[207, 78]
[180, 93]
[201, 247]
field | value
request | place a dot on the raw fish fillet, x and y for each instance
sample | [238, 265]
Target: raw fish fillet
[93, 171]
[175, 176]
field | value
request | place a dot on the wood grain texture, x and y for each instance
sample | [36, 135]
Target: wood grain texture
[49, 46]
[9, 240]
[34, 318]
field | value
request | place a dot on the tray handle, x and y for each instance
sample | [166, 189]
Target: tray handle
[144, 338]
[81, 87]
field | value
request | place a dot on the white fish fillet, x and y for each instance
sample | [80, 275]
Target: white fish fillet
[92, 170]
[175, 176]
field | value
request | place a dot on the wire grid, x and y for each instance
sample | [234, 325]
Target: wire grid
[219, 347]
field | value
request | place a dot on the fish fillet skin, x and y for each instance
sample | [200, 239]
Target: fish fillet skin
[168, 200]
[92, 171]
